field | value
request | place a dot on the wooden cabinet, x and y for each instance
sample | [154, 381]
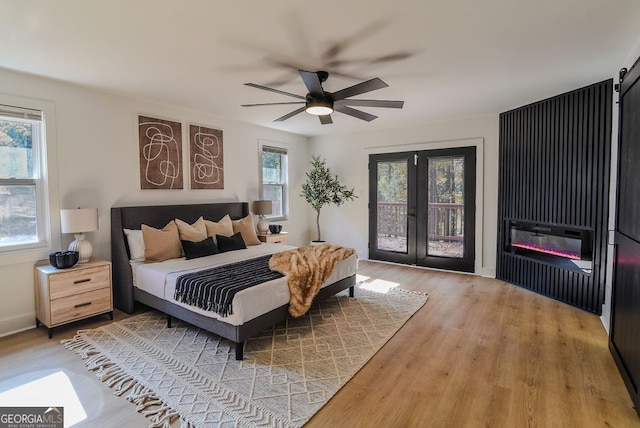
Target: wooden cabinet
[66, 295]
[276, 238]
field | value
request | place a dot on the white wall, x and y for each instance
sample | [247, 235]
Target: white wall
[97, 159]
[348, 155]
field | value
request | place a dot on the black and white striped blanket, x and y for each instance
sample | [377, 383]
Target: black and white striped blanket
[213, 289]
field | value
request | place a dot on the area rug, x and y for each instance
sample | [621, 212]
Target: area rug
[288, 374]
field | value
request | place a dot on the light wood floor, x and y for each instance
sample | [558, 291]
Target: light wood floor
[480, 353]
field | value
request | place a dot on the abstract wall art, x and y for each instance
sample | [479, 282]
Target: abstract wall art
[160, 145]
[207, 158]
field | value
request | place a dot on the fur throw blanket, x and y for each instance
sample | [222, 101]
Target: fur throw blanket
[307, 268]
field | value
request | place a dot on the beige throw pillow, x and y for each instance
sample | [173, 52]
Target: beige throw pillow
[161, 245]
[195, 232]
[223, 227]
[247, 229]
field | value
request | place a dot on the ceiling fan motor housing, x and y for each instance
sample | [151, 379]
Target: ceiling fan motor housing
[319, 101]
[322, 76]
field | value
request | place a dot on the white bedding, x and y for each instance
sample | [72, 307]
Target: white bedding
[159, 279]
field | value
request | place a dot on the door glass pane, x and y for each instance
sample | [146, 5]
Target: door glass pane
[446, 207]
[392, 206]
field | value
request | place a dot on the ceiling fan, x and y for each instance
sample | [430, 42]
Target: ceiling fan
[322, 103]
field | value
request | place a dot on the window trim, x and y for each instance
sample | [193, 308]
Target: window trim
[17, 114]
[48, 213]
[274, 147]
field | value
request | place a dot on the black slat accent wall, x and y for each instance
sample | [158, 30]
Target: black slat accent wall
[554, 165]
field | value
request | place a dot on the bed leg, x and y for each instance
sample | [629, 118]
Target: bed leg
[168, 321]
[352, 291]
[239, 351]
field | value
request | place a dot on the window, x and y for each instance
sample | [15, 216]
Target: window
[22, 215]
[274, 180]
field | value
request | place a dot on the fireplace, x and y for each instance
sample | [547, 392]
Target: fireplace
[554, 169]
[564, 246]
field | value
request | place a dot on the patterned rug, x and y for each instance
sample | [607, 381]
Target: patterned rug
[288, 374]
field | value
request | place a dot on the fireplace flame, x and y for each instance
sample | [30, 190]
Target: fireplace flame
[572, 256]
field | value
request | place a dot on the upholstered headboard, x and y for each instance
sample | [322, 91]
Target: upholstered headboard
[156, 216]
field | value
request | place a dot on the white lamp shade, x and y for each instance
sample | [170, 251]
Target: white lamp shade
[79, 220]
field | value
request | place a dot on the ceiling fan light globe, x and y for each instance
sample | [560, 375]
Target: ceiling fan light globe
[319, 110]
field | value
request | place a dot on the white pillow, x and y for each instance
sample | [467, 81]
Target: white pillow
[136, 244]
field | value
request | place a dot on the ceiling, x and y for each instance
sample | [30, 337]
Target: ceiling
[445, 59]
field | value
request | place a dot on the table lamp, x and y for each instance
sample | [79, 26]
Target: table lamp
[262, 208]
[79, 221]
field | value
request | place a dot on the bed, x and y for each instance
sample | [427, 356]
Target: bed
[126, 294]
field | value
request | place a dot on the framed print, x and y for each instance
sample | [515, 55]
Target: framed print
[206, 158]
[160, 148]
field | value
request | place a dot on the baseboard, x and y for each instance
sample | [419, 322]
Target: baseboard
[605, 318]
[17, 324]
[489, 272]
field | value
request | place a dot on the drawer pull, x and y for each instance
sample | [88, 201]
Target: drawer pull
[79, 305]
[80, 281]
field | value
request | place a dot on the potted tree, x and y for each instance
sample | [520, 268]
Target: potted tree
[322, 187]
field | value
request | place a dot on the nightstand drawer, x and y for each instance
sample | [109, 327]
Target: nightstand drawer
[279, 239]
[274, 238]
[80, 306]
[78, 281]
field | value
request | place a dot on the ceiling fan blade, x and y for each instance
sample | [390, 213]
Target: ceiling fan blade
[398, 56]
[288, 115]
[337, 48]
[325, 119]
[284, 78]
[355, 113]
[360, 88]
[371, 103]
[272, 104]
[277, 91]
[312, 82]
[282, 63]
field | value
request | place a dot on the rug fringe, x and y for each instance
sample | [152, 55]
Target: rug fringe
[147, 402]
[415, 293]
[398, 289]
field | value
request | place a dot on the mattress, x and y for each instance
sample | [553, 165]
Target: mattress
[159, 279]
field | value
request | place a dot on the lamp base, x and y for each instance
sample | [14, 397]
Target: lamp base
[263, 226]
[82, 246]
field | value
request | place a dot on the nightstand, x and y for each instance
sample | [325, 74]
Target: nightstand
[276, 238]
[67, 295]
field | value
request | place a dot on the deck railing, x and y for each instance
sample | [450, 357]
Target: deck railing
[446, 221]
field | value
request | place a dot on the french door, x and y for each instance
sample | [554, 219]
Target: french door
[422, 208]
